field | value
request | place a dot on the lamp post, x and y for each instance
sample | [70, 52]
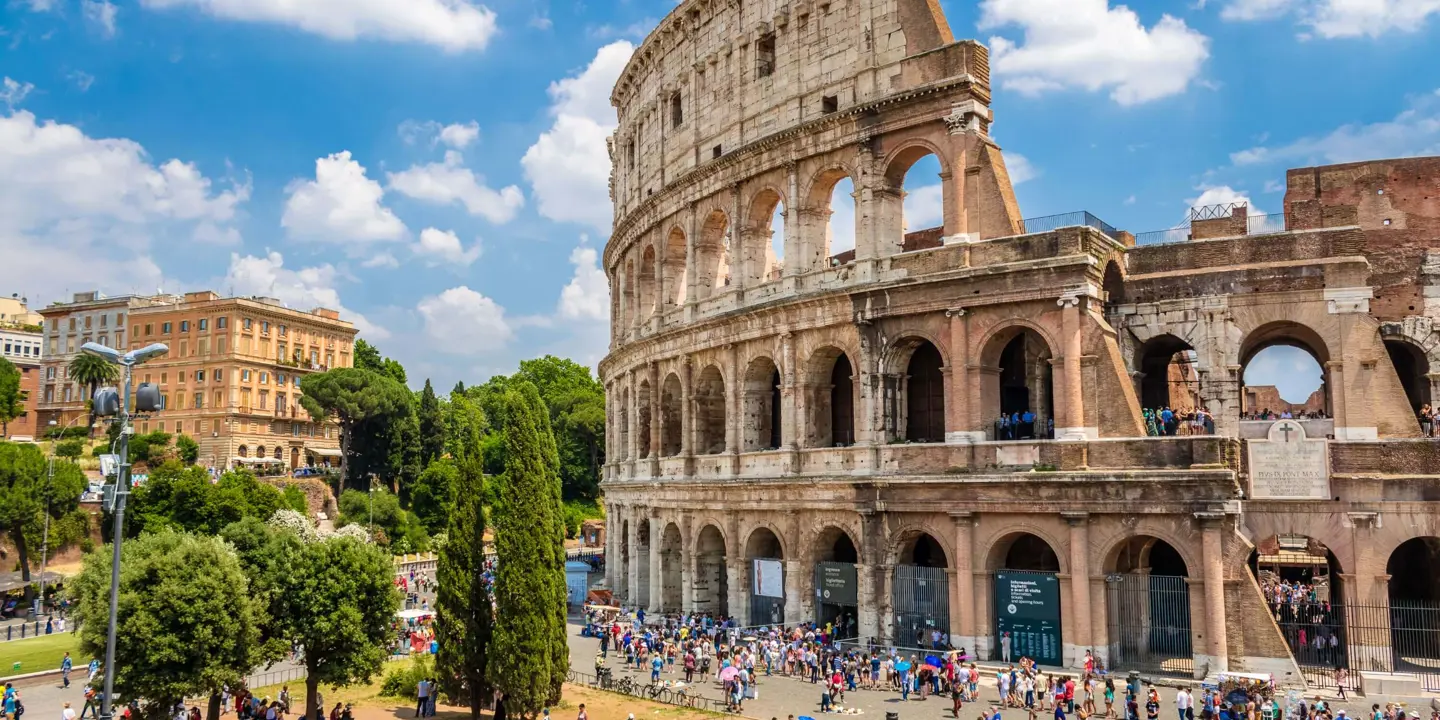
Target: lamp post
[127, 361]
[49, 480]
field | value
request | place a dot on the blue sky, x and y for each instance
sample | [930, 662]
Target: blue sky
[437, 169]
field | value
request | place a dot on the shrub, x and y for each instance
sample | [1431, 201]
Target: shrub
[69, 433]
[72, 449]
[402, 681]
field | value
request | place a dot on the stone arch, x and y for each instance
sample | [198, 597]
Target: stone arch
[1112, 283]
[1283, 333]
[1412, 367]
[671, 423]
[759, 259]
[1414, 599]
[1279, 562]
[711, 581]
[624, 424]
[279, 453]
[675, 273]
[817, 245]
[902, 543]
[719, 528]
[760, 397]
[1017, 377]
[712, 255]
[920, 588]
[642, 420]
[831, 389]
[709, 415]
[1113, 543]
[646, 290]
[1030, 554]
[834, 543]
[891, 225]
[763, 546]
[644, 530]
[1146, 552]
[917, 365]
[1148, 606]
[259, 451]
[899, 160]
[1166, 375]
[625, 560]
[242, 451]
[671, 552]
[764, 540]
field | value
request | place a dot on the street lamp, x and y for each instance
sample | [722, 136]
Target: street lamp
[49, 480]
[127, 361]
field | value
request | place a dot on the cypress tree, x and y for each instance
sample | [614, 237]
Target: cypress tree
[432, 426]
[528, 657]
[462, 603]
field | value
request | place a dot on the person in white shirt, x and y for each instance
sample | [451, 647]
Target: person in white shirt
[1184, 704]
[68, 713]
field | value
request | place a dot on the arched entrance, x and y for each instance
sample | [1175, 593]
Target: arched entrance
[625, 424]
[1147, 605]
[925, 395]
[642, 564]
[623, 583]
[710, 412]
[921, 593]
[1414, 589]
[767, 577]
[762, 405]
[294, 458]
[1027, 600]
[1025, 387]
[671, 547]
[711, 586]
[1300, 580]
[837, 583]
[1167, 377]
[1283, 369]
[642, 439]
[831, 394]
[670, 423]
[1412, 367]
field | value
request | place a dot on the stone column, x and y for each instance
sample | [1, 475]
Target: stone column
[962, 613]
[1079, 585]
[866, 616]
[959, 411]
[738, 578]
[632, 423]
[687, 564]
[885, 603]
[738, 269]
[1212, 555]
[655, 419]
[1073, 412]
[633, 561]
[794, 592]
[795, 263]
[687, 415]
[691, 260]
[733, 408]
[657, 583]
[1335, 378]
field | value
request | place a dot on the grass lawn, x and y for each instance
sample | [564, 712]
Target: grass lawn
[40, 653]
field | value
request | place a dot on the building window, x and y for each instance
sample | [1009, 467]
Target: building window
[184, 326]
[87, 322]
[264, 399]
[677, 111]
[164, 329]
[204, 324]
[49, 394]
[264, 378]
[765, 56]
[829, 104]
[148, 328]
[104, 320]
[219, 399]
[219, 376]
[264, 327]
[50, 373]
[72, 324]
[164, 378]
[221, 323]
[135, 331]
[104, 341]
[245, 376]
[282, 331]
[249, 324]
[280, 379]
[199, 376]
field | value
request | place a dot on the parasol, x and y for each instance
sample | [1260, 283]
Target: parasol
[902, 666]
[932, 660]
[930, 667]
[748, 638]
[729, 673]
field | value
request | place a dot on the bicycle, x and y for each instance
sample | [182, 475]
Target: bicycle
[626, 686]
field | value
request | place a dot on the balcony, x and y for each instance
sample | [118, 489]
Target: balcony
[300, 365]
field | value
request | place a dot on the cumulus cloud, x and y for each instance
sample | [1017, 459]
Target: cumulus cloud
[1090, 45]
[462, 321]
[1413, 132]
[1339, 18]
[1020, 168]
[381, 260]
[102, 13]
[568, 166]
[452, 25]
[455, 135]
[450, 181]
[303, 289]
[1223, 195]
[443, 246]
[14, 93]
[341, 205]
[587, 295]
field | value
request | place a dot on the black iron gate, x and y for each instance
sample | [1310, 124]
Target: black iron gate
[1149, 623]
[921, 597]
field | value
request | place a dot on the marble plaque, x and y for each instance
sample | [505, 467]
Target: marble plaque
[1289, 466]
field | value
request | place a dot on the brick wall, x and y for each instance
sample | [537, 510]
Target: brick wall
[1389, 457]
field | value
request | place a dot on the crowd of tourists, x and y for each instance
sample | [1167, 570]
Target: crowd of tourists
[1165, 422]
[1287, 414]
[1024, 426]
[1429, 418]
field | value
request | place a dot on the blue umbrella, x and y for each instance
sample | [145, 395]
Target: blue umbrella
[932, 660]
[902, 666]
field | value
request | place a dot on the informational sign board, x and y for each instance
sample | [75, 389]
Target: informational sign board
[1027, 611]
[1289, 466]
[769, 578]
[837, 584]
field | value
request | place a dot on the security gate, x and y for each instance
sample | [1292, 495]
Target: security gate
[837, 594]
[921, 597]
[1149, 623]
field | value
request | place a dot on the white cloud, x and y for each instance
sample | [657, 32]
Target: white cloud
[1130, 200]
[461, 321]
[568, 167]
[587, 295]
[381, 260]
[41, 5]
[82, 213]
[924, 208]
[1413, 132]
[453, 25]
[102, 13]
[443, 246]
[1274, 186]
[1020, 168]
[459, 136]
[341, 205]
[82, 80]
[455, 135]
[1088, 44]
[1223, 195]
[14, 93]
[304, 289]
[450, 181]
[1339, 18]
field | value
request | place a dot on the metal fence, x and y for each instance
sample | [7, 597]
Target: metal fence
[23, 630]
[1047, 223]
[1254, 225]
[1149, 623]
[683, 697]
[922, 603]
[267, 678]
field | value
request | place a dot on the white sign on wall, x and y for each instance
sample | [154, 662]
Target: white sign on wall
[1289, 466]
[769, 578]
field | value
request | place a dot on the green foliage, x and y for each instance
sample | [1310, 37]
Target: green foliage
[529, 657]
[266, 553]
[352, 397]
[575, 402]
[431, 496]
[71, 449]
[187, 449]
[92, 372]
[188, 624]
[381, 511]
[404, 681]
[293, 497]
[183, 498]
[431, 419]
[152, 448]
[576, 512]
[27, 492]
[463, 618]
[12, 398]
[465, 424]
[66, 433]
[70, 530]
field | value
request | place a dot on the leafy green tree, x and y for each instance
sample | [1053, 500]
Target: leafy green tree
[431, 497]
[152, 448]
[351, 396]
[70, 449]
[465, 425]
[27, 493]
[92, 372]
[188, 622]
[267, 554]
[187, 449]
[182, 497]
[293, 497]
[575, 402]
[462, 603]
[381, 511]
[336, 603]
[529, 657]
[12, 398]
[404, 465]
[431, 417]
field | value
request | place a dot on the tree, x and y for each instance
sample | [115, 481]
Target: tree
[431, 497]
[529, 657]
[336, 604]
[188, 449]
[182, 497]
[463, 619]
[92, 372]
[351, 396]
[575, 402]
[380, 510]
[465, 425]
[432, 426]
[266, 553]
[70, 449]
[188, 623]
[12, 398]
[27, 493]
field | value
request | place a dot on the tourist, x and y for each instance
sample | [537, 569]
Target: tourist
[422, 701]
[1184, 705]
[67, 713]
[65, 665]
[1109, 697]
[1005, 647]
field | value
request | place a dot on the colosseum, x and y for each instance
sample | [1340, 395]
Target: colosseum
[804, 429]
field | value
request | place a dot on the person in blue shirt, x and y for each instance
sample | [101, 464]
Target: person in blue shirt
[1027, 424]
[65, 666]
[656, 663]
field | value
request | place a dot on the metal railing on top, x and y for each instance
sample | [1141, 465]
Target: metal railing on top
[1047, 223]
[1254, 225]
[682, 697]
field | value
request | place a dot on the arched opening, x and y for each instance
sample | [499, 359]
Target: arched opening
[645, 285]
[624, 424]
[1414, 589]
[643, 412]
[670, 421]
[911, 202]
[711, 586]
[671, 546]
[767, 577]
[642, 563]
[1147, 595]
[675, 275]
[1020, 398]
[1283, 368]
[763, 252]
[629, 313]
[260, 451]
[1300, 579]
[243, 451]
[830, 392]
[294, 458]
[921, 594]
[837, 584]
[710, 412]
[1167, 381]
[1027, 600]
[1412, 367]
[762, 405]
[712, 256]
[827, 222]
[625, 562]
[924, 394]
[1113, 285]
[279, 453]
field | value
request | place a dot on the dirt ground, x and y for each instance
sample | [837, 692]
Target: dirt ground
[599, 705]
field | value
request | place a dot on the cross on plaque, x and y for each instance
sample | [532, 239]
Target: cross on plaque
[1287, 429]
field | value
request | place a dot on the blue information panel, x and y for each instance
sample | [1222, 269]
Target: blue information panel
[1027, 607]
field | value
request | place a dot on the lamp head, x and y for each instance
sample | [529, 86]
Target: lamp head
[135, 357]
[104, 353]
